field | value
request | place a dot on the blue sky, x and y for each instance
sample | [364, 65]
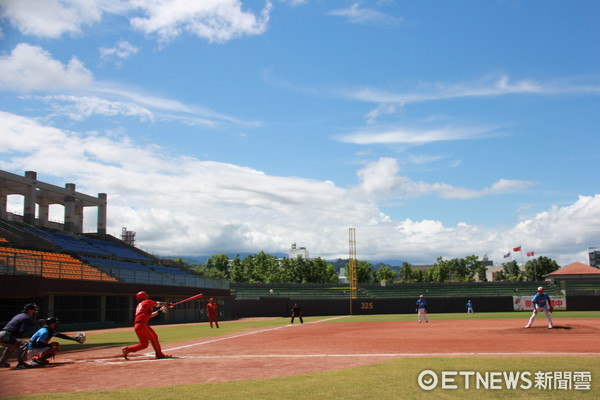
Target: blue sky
[434, 128]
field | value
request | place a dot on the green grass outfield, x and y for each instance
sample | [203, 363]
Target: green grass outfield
[395, 379]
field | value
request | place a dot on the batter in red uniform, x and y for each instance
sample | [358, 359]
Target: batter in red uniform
[143, 312]
[212, 309]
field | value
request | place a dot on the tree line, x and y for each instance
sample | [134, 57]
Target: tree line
[266, 268]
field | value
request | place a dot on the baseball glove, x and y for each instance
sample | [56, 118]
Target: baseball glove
[55, 346]
[551, 309]
[80, 337]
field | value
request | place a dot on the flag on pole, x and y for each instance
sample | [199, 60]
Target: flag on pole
[517, 248]
[530, 253]
[507, 255]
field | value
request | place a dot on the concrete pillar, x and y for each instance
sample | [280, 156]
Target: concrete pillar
[30, 198]
[102, 214]
[50, 305]
[3, 201]
[70, 209]
[102, 309]
[44, 211]
[78, 219]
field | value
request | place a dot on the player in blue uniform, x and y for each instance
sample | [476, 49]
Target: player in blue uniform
[541, 302]
[422, 308]
[40, 347]
[469, 307]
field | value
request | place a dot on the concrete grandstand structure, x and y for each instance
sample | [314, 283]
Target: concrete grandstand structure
[87, 280]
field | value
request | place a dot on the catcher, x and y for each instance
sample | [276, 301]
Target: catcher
[541, 302]
[40, 347]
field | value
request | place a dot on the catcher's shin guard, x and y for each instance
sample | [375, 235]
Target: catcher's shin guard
[42, 358]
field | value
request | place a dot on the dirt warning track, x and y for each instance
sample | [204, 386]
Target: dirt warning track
[297, 349]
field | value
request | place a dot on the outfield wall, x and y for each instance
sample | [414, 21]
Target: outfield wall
[281, 306]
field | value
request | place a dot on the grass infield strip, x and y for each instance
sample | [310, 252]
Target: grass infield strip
[396, 379]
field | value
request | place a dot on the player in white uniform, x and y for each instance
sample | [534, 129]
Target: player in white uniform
[422, 308]
[541, 302]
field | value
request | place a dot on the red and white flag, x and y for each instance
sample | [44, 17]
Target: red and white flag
[530, 253]
[517, 248]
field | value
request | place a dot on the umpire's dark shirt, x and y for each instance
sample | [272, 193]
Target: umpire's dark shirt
[18, 325]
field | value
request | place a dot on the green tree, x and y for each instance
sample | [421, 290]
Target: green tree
[364, 272]
[512, 272]
[406, 272]
[481, 273]
[220, 262]
[237, 271]
[474, 268]
[440, 272]
[538, 267]
[386, 274]
[418, 275]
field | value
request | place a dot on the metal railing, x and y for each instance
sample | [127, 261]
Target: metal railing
[14, 263]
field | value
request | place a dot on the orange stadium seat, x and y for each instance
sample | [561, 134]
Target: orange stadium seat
[53, 265]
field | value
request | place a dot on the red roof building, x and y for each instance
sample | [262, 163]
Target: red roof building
[575, 270]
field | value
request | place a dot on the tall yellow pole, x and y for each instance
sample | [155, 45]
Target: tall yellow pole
[352, 265]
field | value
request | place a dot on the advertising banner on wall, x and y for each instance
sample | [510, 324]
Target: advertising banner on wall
[523, 303]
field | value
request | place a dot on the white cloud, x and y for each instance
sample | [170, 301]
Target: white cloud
[561, 229]
[401, 135]
[122, 50]
[181, 205]
[363, 16]
[51, 18]
[215, 20]
[81, 107]
[442, 91]
[30, 68]
[380, 180]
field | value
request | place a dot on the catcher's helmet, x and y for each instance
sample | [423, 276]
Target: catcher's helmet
[141, 296]
[540, 289]
[30, 306]
[52, 320]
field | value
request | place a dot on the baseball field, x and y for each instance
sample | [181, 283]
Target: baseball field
[338, 357]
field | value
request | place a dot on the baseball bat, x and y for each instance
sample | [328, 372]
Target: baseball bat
[188, 299]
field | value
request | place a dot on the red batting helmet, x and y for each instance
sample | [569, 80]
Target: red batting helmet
[540, 289]
[141, 296]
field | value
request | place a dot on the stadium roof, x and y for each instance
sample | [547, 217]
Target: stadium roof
[575, 268]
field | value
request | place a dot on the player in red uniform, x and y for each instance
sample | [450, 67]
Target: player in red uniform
[143, 312]
[212, 309]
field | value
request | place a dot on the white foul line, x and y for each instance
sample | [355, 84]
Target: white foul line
[366, 355]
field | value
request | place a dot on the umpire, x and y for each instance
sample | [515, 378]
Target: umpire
[12, 334]
[297, 312]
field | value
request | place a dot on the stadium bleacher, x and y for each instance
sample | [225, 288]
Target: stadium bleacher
[111, 261]
[48, 265]
[82, 244]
